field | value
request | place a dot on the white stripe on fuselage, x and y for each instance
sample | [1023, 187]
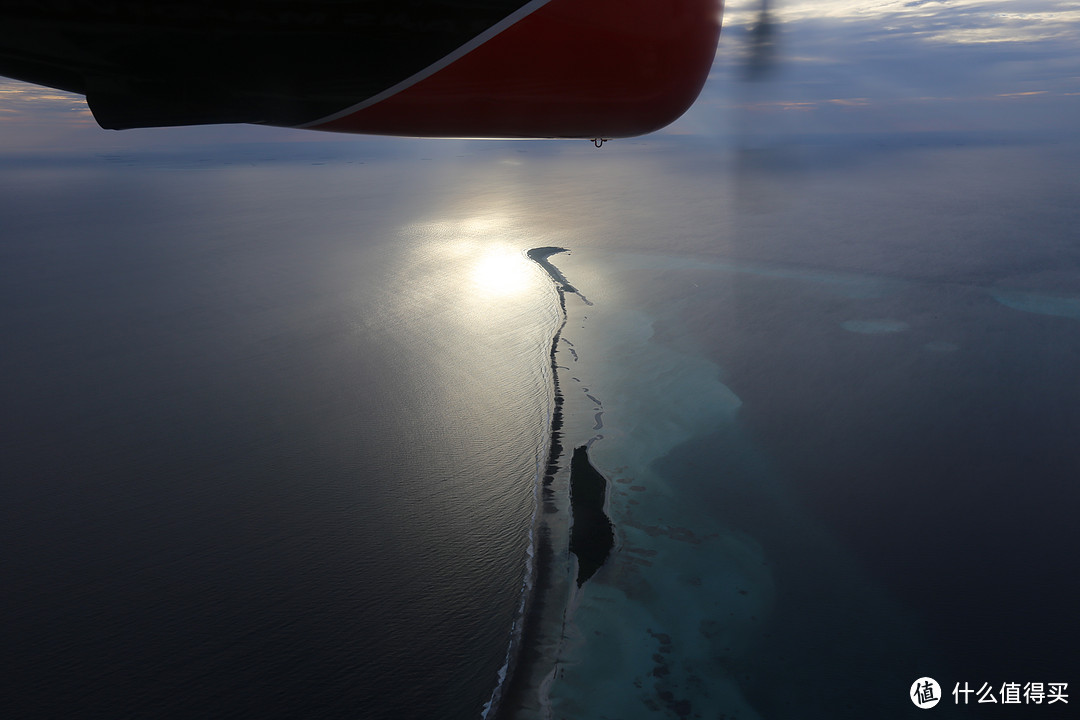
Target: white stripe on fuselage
[506, 22]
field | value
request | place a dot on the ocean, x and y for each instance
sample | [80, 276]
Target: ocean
[260, 458]
[269, 452]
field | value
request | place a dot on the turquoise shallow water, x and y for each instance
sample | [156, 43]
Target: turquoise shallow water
[677, 622]
[814, 467]
[732, 591]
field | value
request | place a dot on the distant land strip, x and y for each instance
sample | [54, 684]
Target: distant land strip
[540, 256]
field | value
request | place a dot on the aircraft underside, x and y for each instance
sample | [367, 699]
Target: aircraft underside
[479, 68]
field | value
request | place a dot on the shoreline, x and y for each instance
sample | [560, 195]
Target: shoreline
[554, 592]
[517, 690]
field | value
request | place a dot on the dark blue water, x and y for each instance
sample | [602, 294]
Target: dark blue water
[259, 456]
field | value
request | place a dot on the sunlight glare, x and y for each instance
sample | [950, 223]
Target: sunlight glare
[502, 271]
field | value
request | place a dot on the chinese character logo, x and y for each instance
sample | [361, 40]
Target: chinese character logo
[1012, 692]
[925, 693]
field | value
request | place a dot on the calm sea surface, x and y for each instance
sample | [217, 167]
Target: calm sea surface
[266, 452]
[271, 429]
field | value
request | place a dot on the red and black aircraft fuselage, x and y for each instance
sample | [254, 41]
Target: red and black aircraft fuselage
[460, 68]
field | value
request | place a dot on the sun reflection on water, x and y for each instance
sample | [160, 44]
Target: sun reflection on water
[467, 302]
[502, 271]
[486, 255]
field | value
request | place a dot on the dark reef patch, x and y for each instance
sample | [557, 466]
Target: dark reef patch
[591, 536]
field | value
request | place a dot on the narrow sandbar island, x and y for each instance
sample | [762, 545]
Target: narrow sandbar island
[540, 256]
[572, 524]
[591, 534]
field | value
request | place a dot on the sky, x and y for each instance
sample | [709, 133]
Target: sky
[838, 67]
[895, 66]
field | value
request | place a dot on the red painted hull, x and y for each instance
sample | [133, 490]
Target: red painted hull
[568, 68]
